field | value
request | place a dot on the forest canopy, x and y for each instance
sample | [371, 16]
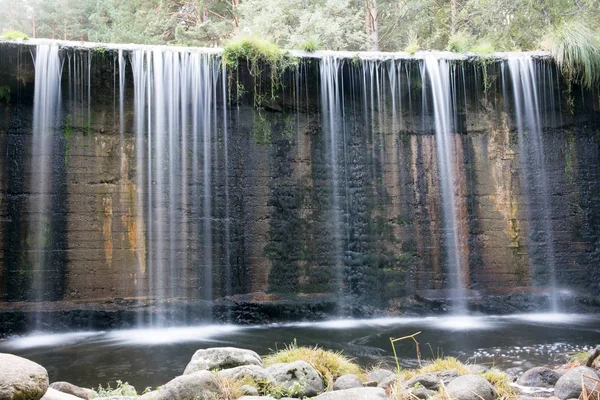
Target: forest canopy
[386, 25]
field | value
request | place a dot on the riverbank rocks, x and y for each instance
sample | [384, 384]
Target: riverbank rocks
[201, 385]
[354, 394]
[69, 388]
[348, 381]
[377, 375]
[23, 380]
[222, 358]
[246, 371]
[570, 384]
[431, 381]
[471, 387]
[52, 394]
[541, 377]
[298, 377]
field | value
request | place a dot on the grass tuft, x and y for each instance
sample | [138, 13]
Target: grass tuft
[483, 49]
[444, 364]
[575, 47]
[501, 382]
[329, 363]
[413, 43]
[122, 389]
[251, 48]
[460, 42]
[310, 46]
[231, 389]
[14, 35]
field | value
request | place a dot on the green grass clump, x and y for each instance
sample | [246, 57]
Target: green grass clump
[444, 364]
[310, 46]
[412, 45]
[330, 364]
[14, 35]
[575, 47]
[251, 49]
[460, 42]
[501, 382]
[483, 48]
[122, 389]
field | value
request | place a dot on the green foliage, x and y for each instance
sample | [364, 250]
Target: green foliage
[310, 46]
[576, 48]
[483, 49]
[251, 49]
[501, 382]
[14, 35]
[460, 42]
[5, 94]
[122, 389]
[413, 43]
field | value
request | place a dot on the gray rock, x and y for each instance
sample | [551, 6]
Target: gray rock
[538, 377]
[354, 394]
[423, 393]
[471, 387]
[447, 376]
[69, 388]
[477, 368]
[256, 398]
[347, 381]
[298, 377]
[388, 381]
[428, 381]
[570, 384]
[246, 371]
[222, 358]
[53, 394]
[24, 380]
[201, 385]
[370, 384]
[249, 390]
[378, 375]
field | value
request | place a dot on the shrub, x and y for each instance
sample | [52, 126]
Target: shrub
[460, 42]
[310, 46]
[575, 47]
[14, 35]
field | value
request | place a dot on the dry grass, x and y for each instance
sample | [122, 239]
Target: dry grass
[501, 382]
[590, 388]
[231, 389]
[445, 364]
[330, 364]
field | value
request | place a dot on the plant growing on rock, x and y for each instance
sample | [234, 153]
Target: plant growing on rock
[122, 389]
[14, 35]
[330, 364]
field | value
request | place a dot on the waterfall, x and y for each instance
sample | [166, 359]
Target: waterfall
[438, 72]
[176, 97]
[47, 100]
[527, 103]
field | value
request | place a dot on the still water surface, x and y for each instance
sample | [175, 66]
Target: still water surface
[151, 357]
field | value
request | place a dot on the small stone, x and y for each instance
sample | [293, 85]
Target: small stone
[370, 384]
[298, 377]
[249, 390]
[471, 387]
[539, 377]
[69, 388]
[570, 384]
[476, 369]
[347, 381]
[428, 381]
[354, 394]
[222, 358]
[423, 393]
[23, 380]
[378, 375]
[388, 381]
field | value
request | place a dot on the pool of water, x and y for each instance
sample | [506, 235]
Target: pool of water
[151, 357]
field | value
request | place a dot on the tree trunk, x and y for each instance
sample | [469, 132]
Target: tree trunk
[453, 11]
[372, 25]
[595, 354]
[236, 19]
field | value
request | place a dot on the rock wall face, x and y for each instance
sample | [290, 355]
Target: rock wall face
[311, 192]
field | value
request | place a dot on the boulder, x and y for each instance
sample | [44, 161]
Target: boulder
[246, 371]
[24, 380]
[477, 368]
[249, 390]
[201, 385]
[53, 394]
[69, 388]
[299, 378]
[471, 387]
[347, 381]
[388, 381]
[254, 398]
[378, 375]
[422, 393]
[222, 358]
[541, 377]
[570, 384]
[354, 394]
[432, 381]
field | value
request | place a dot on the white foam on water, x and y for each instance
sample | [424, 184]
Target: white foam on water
[171, 335]
[40, 339]
[460, 323]
[553, 318]
[354, 323]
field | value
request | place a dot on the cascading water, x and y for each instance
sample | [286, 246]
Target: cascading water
[438, 73]
[176, 97]
[47, 100]
[527, 103]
